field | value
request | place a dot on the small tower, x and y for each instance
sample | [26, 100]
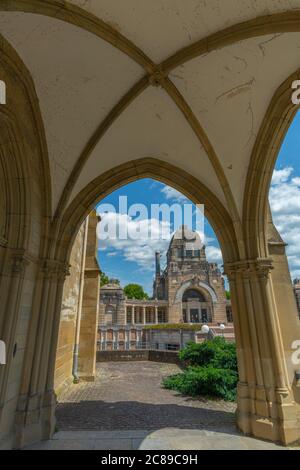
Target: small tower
[157, 263]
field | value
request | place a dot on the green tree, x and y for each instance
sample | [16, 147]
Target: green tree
[135, 291]
[228, 295]
[104, 279]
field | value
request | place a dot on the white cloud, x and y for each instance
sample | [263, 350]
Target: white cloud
[281, 176]
[171, 193]
[284, 199]
[144, 238]
[214, 254]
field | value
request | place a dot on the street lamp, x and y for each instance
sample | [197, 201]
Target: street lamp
[205, 329]
[222, 327]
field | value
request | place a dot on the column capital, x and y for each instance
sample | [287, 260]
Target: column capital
[52, 268]
[260, 267]
[19, 260]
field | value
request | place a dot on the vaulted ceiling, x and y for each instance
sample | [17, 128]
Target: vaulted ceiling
[96, 65]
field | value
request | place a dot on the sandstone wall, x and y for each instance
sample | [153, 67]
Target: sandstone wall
[64, 356]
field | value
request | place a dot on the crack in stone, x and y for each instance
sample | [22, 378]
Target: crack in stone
[252, 134]
[262, 44]
[236, 90]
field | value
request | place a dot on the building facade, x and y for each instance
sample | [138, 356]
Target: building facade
[188, 290]
[193, 287]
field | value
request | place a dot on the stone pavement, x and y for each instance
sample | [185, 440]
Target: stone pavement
[162, 439]
[129, 396]
[126, 408]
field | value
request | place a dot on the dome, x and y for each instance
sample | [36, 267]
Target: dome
[185, 236]
[113, 284]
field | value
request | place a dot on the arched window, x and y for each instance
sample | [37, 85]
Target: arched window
[193, 294]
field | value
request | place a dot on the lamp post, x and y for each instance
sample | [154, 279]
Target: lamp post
[222, 328]
[205, 330]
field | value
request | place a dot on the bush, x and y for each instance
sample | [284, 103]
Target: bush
[207, 381]
[211, 370]
[216, 353]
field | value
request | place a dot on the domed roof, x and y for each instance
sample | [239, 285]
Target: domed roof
[185, 236]
[113, 284]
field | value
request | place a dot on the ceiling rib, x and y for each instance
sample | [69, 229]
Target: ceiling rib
[270, 24]
[108, 121]
[65, 11]
[156, 74]
[181, 103]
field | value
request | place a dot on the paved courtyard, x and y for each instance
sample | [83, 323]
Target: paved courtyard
[126, 408]
[129, 396]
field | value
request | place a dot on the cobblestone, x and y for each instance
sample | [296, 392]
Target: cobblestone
[129, 396]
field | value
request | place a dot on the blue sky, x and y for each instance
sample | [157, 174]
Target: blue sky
[133, 260]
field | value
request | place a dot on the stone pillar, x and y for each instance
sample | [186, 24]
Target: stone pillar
[127, 339]
[133, 315]
[144, 315]
[156, 313]
[138, 338]
[116, 339]
[35, 415]
[266, 403]
[90, 306]
[188, 314]
[103, 339]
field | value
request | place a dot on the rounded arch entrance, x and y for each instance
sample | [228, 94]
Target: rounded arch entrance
[196, 305]
[107, 183]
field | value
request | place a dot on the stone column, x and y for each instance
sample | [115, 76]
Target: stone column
[144, 315]
[156, 313]
[266, 404]
[126, 332]
[188, 314]
[116, 339]
[138, 338]
[35, 415]
[105, 339]
[133, 315]
[90, 306]
[12, 273]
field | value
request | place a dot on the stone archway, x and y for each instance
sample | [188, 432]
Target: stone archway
[264, 285]
[200, 309]
[200, 285]
[24, 222]
[196, 305]
[36, 239]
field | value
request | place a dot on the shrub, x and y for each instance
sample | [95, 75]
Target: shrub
[211, 370]
[207, 381]
[216, 353]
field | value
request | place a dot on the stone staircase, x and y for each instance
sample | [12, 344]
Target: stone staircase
[227, 333]
[215, 330]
